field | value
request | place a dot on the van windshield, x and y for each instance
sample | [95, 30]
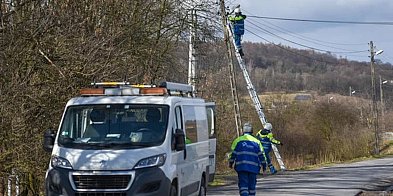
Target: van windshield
[119, 126]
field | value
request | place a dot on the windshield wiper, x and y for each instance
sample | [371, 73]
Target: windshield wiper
[66, 140]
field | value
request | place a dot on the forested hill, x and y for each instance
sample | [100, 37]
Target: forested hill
[281, 68]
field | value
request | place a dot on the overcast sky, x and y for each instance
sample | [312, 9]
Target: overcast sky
[341, 39]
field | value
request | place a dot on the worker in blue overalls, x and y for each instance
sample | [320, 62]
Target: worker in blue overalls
[267, 139]
[247, 156]
[238, 28]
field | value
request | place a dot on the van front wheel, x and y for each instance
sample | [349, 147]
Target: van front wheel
[202, 188]
[173, 191]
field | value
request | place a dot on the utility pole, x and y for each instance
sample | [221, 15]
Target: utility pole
[232, 77]
[350, 91]
[192, 54]
[374, 99]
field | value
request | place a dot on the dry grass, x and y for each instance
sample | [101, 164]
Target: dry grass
[387, 148]
[317, 131]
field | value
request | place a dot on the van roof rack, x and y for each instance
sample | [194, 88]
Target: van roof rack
[125, 88]
[182, 89]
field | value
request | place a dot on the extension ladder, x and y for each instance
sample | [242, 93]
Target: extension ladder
[252, 92]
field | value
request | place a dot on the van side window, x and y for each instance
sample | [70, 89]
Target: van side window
[211, 122]
[178, 118]
[190, 123]
[201, 123]
[195, 123]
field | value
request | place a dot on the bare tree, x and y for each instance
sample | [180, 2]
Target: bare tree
[49, 49]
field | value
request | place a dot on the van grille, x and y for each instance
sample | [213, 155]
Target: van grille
[100, 194]
[101, 181]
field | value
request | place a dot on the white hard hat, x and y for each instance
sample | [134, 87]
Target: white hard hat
[237, 10]
[268, 126]
[247, 127]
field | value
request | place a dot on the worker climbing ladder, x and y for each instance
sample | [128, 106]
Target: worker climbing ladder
[251, 91]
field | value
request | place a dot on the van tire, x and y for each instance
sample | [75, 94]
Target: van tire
[173, 190]
[202, 188]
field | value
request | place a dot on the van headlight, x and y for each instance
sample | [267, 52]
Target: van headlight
[60, 162]
[154, 161]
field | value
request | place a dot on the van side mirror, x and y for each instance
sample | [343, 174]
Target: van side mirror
[180, 143]
[49, 140]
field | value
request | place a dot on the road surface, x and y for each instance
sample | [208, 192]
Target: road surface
[336, 180]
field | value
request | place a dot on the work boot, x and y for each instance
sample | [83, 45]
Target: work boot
[272, 169]
[241, 52]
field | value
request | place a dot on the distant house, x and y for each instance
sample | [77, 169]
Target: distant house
[388, 136]
[303, 97]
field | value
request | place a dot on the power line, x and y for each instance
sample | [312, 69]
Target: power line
[326, 21]
[300, 37]
[296, 43]
[309, 39]
[303, 45]
[386, 58]
[313, 40]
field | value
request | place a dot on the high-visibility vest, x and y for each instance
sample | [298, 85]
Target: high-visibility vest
[238, 24]
[267, 139]
[247, 154]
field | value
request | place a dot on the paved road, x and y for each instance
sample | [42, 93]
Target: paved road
[336, 180]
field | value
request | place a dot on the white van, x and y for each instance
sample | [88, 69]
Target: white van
[118, 139]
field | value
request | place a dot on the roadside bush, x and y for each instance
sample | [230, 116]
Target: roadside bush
[312, 133]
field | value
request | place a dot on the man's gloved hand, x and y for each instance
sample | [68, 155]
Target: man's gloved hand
[272, 169]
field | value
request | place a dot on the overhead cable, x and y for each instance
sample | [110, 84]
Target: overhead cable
[288, 50]
[327, 21]
[302, 37]
[303, 45]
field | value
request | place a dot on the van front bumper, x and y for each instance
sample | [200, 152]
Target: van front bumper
[148, 181]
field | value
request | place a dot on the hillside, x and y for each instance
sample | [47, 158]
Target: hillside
[275, 69]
